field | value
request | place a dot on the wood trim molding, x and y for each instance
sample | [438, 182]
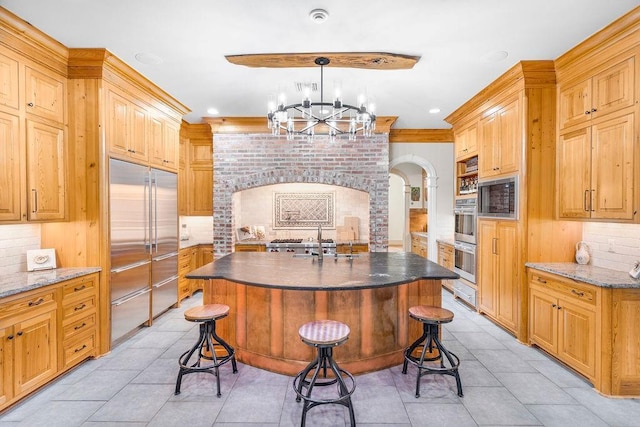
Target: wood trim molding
[26, 40]
[99, 63]
[525, 74]
[366, 60]
[259, 124]
[421, 135]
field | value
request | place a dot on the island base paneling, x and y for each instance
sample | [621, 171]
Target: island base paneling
[263, 323]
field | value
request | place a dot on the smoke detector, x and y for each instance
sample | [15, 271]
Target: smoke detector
[318, 15]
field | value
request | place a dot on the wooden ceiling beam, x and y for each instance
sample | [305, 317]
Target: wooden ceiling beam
[366, 60]
[421, 135]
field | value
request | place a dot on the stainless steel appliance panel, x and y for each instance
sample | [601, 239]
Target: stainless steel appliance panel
[129, 213]
[129, 313]
[164, 295]
[164, 267]
[164, 209]
[464, 255]
[464, 292]
[129, 280]
[465, 220]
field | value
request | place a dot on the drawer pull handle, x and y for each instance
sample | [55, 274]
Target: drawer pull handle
[580, 294]
[80, 307]
[80, 349]
[541, 280]
[79, 288]
[10, 337]
[19, 333]
[34, 303]
[80, 326]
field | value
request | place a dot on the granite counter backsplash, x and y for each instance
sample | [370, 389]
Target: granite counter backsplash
[16, 283]
[597, 276]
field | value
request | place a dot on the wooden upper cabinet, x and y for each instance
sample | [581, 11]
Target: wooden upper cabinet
[127, 128]
[10, 176]
[45, 172]
[466, 142]
[200, 191]
[44, 94]
[9, 84]
[596, 171]
[500, 142]
[170, 145]
[605, 92]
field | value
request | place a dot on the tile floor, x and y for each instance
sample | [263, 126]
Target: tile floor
[504, 382]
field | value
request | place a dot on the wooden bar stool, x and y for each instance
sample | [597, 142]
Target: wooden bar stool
[324, 335]
[206, 359]
[430, 347]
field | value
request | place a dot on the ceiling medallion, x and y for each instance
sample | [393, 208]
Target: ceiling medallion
[322, 118]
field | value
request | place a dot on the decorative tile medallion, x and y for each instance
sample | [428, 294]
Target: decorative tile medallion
[303, 210]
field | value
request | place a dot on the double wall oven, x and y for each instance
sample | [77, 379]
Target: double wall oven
[465, 213]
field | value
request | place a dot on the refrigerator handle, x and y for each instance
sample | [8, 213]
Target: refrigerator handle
[147, 201]
[155, 212]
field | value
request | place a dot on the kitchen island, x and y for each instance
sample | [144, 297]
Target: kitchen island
[271, 295]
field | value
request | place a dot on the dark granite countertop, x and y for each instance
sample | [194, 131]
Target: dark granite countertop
[597, 276]
[283, 270]
[16, 283]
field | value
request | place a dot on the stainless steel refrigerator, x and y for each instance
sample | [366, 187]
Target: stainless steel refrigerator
[143, 206]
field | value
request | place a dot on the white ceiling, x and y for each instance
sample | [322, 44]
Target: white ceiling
[455, 39]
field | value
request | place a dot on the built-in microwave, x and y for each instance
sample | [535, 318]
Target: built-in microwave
[498, 198]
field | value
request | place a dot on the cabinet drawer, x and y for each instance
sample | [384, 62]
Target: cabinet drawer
[78, 349]
[78, 287]
[78, 308]
[575, 291]
[79, 327]
[37, 301]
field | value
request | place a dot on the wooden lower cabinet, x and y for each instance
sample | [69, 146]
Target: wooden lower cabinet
[44, 333]
[445, 259]
[562, 321]
[591, 329]
[249, 247]
[356, 247]
[498, 271]
[189, 259]
[419, 245]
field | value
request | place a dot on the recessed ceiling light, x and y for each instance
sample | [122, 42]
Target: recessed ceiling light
[318, 15]
[149, 58]
[213, 111]
[435, 110]
[496, 56]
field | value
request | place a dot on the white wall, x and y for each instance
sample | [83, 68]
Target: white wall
[396, 209]
[15, 241]
[614, 246]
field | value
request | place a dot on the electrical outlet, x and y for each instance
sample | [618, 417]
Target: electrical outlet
[611, 245]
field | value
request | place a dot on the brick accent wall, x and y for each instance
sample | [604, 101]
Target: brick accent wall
[241, 162]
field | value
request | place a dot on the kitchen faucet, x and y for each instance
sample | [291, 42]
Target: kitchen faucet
[320, 253]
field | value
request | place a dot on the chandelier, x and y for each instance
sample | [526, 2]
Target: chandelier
[321, 118]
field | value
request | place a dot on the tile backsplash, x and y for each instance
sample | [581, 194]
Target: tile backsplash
[15, 241]
[199, 228]
[611, 245]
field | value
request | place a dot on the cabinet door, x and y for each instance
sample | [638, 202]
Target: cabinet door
[35, 350]
[45, 94]
[6, 364]
[171, 142]
[117, 124]
[9, 86]
[486, 262]
[466, 142]
[138, 140]
[573, 174]
[612, 169]
[489, 146]
[575, 103]
[10, 168]
[613, 88]
[543, 320]
[509, 139]
[576, 336]
[201, 191]
[157, 142]
[507, 275]
[45, 172]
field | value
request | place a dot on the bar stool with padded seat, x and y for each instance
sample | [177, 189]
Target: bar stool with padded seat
[430, 346]
[324, 335]
[205, 349]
